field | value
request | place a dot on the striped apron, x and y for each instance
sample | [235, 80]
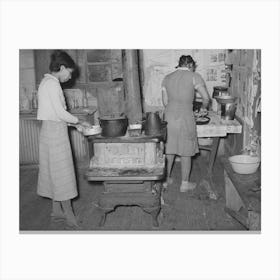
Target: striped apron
[56, 169]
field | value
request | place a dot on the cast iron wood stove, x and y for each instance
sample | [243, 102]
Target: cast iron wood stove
[132, 169]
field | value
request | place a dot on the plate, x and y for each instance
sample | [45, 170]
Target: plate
[202, 120]
[91, 133]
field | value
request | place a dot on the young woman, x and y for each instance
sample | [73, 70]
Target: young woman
[56, 170]
[178, 95]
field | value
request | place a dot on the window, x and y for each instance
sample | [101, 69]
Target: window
[104, 65]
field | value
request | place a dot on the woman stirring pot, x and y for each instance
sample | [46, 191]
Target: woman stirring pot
[178, 95]
[56, 170]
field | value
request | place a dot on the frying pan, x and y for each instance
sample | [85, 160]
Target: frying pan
[201, 121]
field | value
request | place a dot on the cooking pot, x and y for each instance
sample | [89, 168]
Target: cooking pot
[113, 126]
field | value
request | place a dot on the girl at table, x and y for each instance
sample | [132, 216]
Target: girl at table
[178, 95]
[56, 170]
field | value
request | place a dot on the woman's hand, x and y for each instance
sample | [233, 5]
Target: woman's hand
[85, 124]
[80, 128]
[203, 111]
[81, 125]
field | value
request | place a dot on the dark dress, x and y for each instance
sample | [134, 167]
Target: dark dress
[181, 129]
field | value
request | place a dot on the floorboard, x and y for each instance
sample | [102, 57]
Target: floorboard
[191, 211]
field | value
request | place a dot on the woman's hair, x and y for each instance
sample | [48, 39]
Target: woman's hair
[59, 58]
[186, 59]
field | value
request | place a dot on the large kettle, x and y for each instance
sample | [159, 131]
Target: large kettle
[153, 123]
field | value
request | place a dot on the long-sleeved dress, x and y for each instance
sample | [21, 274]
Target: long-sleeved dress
[56, 169]
[180, 86]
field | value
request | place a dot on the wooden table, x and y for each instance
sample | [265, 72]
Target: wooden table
[216, 128]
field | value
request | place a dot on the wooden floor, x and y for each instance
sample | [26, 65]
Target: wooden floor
[191, 211]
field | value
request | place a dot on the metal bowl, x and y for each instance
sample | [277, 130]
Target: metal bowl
[225, 99]
[244, 164]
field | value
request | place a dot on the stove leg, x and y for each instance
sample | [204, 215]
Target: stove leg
[102, 219]
[103, 216]
[154, 212]
[154, 215]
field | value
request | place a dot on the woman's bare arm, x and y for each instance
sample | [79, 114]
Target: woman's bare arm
[164, 96]
[204, 94]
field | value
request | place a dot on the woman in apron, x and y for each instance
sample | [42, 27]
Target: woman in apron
[178, 95]
[56, 170]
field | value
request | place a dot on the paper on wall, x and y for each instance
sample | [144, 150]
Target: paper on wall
[152, 88]
[158, 63]
[217, 57]
[154, 58]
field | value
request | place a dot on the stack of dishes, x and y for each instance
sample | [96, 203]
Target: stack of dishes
[201, 117]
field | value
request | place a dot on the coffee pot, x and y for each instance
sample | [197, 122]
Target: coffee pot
[153, 123]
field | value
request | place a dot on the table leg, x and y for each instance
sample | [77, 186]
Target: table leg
[207, 180]
[90, 149]
[213, 153]
[102, 219]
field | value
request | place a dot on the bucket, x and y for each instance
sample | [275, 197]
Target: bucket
[228, 111]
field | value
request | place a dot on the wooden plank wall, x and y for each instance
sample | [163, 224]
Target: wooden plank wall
[111, 100]
[102, 86]
[109, 93]
[29, 142]
[132, 85]
[246, 86]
